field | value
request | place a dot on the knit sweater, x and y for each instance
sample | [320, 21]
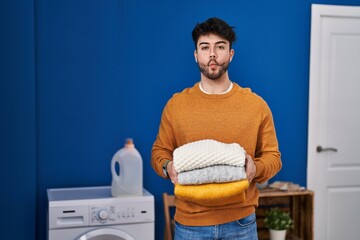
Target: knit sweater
[238, 116]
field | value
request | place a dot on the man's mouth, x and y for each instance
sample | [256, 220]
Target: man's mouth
[212, 65]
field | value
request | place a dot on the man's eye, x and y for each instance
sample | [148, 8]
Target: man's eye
[204, 48]
[221, 47]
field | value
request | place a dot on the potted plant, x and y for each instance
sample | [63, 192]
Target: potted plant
[278, 222]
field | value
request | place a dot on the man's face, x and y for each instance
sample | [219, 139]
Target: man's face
[213, 55]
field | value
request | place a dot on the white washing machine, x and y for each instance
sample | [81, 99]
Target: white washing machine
[91, 213]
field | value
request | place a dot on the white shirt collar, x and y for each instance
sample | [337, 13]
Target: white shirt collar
[227, 90]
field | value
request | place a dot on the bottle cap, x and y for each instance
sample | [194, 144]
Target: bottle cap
[129, 142]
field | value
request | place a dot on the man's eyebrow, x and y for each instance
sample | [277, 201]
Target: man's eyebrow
[219, 42]
[203, 43]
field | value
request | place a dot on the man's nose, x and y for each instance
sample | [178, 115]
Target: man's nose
[212, 53]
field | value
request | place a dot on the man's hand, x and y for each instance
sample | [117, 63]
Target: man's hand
[250, 167]
[172, 172]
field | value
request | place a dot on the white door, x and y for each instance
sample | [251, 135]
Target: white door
[334, 121]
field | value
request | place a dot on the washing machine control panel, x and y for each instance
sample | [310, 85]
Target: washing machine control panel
[121, 213]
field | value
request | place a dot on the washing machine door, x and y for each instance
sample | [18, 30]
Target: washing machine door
[105, 234]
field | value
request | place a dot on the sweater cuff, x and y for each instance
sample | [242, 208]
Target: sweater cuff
[259, 172]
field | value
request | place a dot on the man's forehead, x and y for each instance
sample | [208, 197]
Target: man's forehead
[211, 39]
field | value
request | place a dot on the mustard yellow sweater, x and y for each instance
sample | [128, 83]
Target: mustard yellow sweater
[239, 116]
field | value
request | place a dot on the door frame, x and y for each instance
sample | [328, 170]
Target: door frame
[318, 12]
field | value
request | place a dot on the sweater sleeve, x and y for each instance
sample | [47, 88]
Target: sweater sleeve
[164, 144]
[267, 155]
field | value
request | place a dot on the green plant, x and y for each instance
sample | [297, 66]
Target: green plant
[278, 220]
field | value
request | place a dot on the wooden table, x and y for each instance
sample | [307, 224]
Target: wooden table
[300, 204]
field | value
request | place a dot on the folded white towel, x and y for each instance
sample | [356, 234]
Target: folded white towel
[213, 174]
[208, 152]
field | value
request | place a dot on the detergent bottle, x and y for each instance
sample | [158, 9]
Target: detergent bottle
[129, 179]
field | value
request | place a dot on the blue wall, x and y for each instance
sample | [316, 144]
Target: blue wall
[78, 77]
[17, 121]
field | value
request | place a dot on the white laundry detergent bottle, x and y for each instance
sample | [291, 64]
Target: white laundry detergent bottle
[129, 179]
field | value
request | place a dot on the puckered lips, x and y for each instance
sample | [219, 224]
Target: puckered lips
[212, 64]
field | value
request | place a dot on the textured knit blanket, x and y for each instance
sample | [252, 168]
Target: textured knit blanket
[212, 174]
[208, 152]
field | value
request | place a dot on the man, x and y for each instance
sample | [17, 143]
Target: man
[219, 109]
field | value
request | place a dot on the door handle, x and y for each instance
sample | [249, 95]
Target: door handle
[321, 149]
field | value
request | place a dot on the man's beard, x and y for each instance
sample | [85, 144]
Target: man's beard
[216, 75]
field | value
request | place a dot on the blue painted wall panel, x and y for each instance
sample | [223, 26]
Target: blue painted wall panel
[17, 120]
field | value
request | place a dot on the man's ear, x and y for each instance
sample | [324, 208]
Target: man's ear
[232, 52]
[195, 55]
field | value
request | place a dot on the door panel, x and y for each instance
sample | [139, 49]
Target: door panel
[338, 197]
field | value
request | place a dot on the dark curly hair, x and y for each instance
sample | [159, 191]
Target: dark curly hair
[215, 26]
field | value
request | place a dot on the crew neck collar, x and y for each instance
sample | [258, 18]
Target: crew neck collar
[225, 94]
[226, 91]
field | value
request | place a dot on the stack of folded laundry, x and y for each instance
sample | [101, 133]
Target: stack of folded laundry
[210, 173]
